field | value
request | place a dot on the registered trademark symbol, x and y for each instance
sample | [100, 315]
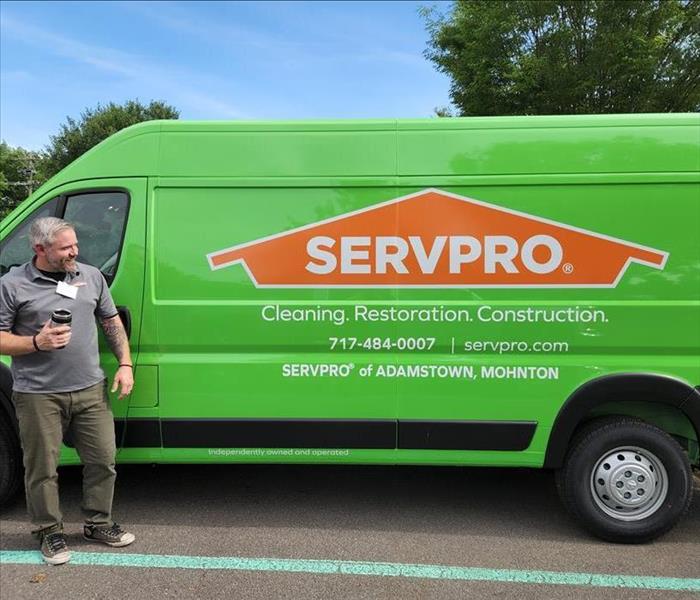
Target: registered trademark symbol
[568, 268]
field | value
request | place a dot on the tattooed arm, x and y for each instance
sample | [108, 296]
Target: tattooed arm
[119, 345]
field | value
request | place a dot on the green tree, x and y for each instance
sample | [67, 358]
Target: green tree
[18, 175]
[94, 125]
[568, 56]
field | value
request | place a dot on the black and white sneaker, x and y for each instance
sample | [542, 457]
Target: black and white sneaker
[113, 536]
[54, 549]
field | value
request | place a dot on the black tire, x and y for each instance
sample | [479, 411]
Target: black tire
[10, 461]
[625, 480]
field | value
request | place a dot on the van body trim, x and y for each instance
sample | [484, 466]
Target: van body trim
[137, 433]
[466, 435]
[279, 433]
[372, 434]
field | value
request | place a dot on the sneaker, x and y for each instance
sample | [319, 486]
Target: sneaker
[113, 536]
[54, 549]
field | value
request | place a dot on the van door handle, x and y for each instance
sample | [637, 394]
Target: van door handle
[125, 316]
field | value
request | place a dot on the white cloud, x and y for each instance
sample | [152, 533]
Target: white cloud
[164, 80]
[17, 76]
[332, 41]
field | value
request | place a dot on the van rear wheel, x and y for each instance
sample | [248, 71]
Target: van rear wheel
[625, 480]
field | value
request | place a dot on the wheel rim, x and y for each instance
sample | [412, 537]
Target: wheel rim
[629, 484]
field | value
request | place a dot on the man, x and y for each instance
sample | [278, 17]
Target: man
[59, 387]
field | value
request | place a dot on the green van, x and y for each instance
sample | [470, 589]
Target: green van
[511, 291]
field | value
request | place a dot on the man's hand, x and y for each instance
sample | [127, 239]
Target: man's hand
[124, 378]
[52, 338]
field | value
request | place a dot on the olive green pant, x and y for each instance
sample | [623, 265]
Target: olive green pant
[85, 417]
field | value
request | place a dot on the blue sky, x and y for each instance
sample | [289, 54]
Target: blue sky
[214, 60]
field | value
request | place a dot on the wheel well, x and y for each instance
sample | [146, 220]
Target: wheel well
[668, 403]
[664, 416]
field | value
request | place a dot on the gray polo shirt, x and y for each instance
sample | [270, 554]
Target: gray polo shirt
[27, 299]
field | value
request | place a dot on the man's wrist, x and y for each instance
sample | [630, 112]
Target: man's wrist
[126, 365]
[36, 346]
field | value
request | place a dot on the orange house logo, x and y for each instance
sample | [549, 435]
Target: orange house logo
[434, 239]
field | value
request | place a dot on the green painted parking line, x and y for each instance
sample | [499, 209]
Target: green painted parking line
[376, 569]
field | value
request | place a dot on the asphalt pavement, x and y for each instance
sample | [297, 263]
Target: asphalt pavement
[280, 531]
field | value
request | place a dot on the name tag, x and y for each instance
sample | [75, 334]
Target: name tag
[69, 291]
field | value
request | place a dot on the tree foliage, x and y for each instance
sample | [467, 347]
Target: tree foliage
[22, 171]
[94, 125]
[568, 56]
[18, 175]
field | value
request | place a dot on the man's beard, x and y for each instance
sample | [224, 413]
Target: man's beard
[65, 265]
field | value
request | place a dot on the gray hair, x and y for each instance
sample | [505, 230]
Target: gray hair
[44, 230]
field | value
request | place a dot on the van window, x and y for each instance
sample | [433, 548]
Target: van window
[99, 219]
[16, 249]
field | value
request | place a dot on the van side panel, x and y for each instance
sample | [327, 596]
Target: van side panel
[530, 349]
[232, 373]
[480, 374]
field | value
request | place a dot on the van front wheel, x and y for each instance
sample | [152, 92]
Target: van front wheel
[625, 480]
[10, 461]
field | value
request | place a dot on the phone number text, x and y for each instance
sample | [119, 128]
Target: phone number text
[382, 343]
